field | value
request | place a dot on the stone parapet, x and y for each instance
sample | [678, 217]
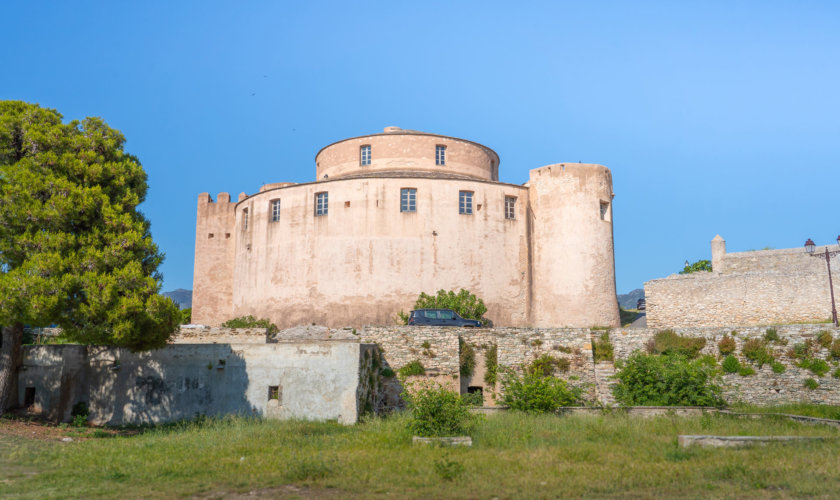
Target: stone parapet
[199, 334]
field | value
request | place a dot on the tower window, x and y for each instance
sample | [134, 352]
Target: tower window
[440, 155]
[605, 210]
[510, 205]
[364, 155]
[275, 210]
[408, 200]
[245, 219]
[321, 203]
[465, 202]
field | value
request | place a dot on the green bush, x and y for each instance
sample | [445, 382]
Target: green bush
[746, 371]
[836, 373]
[835, 350]
[756, 351]
[803, 350]
[186, 316]
[473, 399]
[546, 365]
[811, 383]
[727, 345]
[670, 342]
[771, 335]
[251, 322]
[80, 413]
[464, 303]
[700, 265]
[777, 367]
[386, 372]
[674, 380]
[467, 358]
[535, 393]
[602, 349]
[412, 369]
[436, 411]
[824, 339]
[731, 364]
[816, 366]
[491, 365]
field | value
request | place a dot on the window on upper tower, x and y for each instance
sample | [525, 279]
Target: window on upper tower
[364, 155]
[245, 219]
[321, 203]
[465, 202]
[605, 210]
[408, 200]
[275, 210]
[440, 155]
[510, 206]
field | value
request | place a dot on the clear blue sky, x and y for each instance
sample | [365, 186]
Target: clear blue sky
[715, 117]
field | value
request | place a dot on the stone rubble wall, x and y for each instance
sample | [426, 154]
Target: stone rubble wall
[765, 387]
[200, 334]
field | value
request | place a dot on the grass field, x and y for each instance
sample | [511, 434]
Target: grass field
[514, 455]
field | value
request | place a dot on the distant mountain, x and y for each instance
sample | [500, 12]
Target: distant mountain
[181, 297]
[629, 300]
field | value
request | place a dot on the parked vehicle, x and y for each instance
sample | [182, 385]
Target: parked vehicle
[641, 305]
[440, 317]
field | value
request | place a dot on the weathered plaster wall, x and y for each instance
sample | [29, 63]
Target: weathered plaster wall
[745, 288]
[316, 380]
[407, 150]
[214, 259]
[573, 266]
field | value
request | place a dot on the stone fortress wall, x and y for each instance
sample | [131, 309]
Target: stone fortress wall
[550, 264]
[760, 287]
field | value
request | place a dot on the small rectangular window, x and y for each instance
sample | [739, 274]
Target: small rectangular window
[364, 153]
[510, 205]
[245, 219]
[321, 203]
[465, 202]
[275, 210]
[274, 392]
[408, 200]
[605, 210]
[440, 155]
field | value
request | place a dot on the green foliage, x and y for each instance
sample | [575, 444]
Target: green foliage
[803, 350]
[536, 393]
[251, 322]
[427, 345]
[402, 318]
[727, 345]
[467, 358]
[700, 265]
[834, 351]
[473, 399]
[824, 339]
[836, 373]
[602, 349]
[816, 366]
[670, 342]
[412, 369]
[771, 335]
[437, 411]
[186, 316]
[74, 249]
[491, 365]
[746, 371]
[80, 413]
[448, 470]
[731, 364]
[756, 351]
[546, 365]
[627, 316]
[811, 384]
[464, 303]
[386, 372]
[673, 380]
[778, 367]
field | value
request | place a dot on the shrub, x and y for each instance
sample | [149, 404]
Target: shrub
[700, 265]
[491, 365]
[672, 380]
[756, 351]
[836, 373]
[811, 383]
[816, 366]
[251, 322]
[824, 339]
[746, 371]
[730, 364]
[777, 367]
[835, 350]
[546, 365]
[467, 358]
[726, 345]
[80, 413]
[427, 345]
[186, 316]
[670, 342]
[412, 369]
[537, 394]
[386, 372]
[803, 350]
[771, 335]
[602, 349]
[464, 303]
[436, 411]
[473, 399]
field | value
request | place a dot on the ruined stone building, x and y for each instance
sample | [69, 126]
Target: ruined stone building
[394, 214]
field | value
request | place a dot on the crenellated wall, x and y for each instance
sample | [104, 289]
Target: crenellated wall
[214, 260]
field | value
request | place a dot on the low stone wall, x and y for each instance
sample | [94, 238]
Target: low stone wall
[765, 387]
[200, 334]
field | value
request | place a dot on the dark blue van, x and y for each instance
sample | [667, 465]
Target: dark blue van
[440, 317]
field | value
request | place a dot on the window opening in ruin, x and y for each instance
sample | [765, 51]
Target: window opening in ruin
[510, 204]
[245, 219]
[605, 210]
[408, 200]
[210, 235]
[274, 392]
[440, 155]
[29, 397]
[275, 210]
[364, 153]
[227, 235]
[321, 203]
[475, 390]
[346, 204]
[465, 202]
